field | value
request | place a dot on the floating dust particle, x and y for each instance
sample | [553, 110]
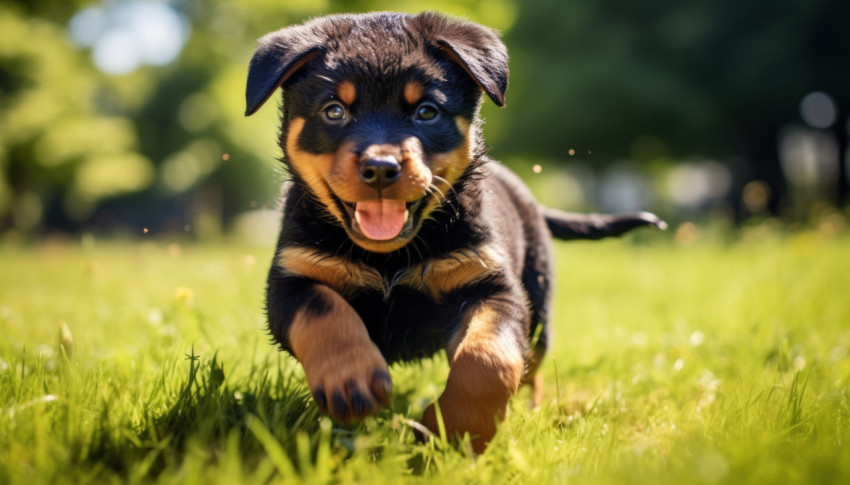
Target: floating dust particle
[536, 168]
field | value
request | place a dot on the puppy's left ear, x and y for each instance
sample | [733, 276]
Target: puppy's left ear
[477, 49]
[279, 55]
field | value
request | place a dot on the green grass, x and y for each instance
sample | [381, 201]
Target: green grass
[713, 362]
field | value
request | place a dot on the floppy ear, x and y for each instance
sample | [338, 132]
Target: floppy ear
[477, 49]
[279, 55]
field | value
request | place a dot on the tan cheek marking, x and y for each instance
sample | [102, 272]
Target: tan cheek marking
[310, 167]
[336, 272]
[347, 92]
[413, 92]
[449, 166]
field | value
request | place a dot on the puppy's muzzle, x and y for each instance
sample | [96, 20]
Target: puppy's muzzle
[380, 172]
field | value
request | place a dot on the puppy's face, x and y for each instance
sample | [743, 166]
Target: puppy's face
[379, 114]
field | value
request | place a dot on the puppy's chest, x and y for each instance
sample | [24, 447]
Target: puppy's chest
[431, 278]
[408, 324]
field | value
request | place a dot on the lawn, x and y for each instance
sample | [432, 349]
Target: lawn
[724, 360]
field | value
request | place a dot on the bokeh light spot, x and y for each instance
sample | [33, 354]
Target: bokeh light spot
[818, 110]
[126, 35]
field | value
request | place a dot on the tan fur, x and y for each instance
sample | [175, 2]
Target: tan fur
[335, 350]
[344, 178]
[311, 167]
[337, 174]
[437, 276]
[460, 268]
[336, 272]
[413, 92]
[347, 92]
[487, 366]
[450, 166]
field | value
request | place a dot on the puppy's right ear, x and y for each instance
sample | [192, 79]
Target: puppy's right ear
[279, 55]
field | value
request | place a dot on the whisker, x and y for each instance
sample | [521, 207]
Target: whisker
[433, 189]
[415, 247]
[450, 186]
[449, 201]
[417, 239]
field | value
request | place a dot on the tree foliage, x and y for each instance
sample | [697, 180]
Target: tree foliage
[167, 147]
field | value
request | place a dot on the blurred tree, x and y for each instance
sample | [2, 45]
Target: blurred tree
[59, 154]
[702, 77]
[165, 146]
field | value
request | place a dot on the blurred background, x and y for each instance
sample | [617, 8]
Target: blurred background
[125, 117]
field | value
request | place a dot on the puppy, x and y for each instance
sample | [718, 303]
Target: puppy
[399, 237]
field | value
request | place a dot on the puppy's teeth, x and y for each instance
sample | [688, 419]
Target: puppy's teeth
[406, 215]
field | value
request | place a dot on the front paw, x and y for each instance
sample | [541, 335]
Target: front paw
[350, 383]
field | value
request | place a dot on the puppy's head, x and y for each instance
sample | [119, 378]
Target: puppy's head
[380, 113]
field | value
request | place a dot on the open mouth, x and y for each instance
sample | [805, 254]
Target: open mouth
[383, 219]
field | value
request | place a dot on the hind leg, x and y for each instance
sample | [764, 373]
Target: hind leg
[537, 279]
[532, 377]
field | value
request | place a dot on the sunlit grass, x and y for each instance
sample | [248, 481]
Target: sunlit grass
[715, 362]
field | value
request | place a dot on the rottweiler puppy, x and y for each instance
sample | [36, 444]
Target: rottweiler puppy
[400, 238]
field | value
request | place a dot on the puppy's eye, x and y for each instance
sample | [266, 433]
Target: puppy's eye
[333, 113]
[426, 112]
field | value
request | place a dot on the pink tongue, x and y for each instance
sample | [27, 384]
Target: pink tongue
[380, 219]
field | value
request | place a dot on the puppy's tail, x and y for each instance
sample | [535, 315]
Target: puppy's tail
[572, 225]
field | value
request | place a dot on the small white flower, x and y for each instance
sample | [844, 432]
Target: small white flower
[697, 338]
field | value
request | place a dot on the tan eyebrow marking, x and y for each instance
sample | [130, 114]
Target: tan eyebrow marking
[413, 92]
[347, 92]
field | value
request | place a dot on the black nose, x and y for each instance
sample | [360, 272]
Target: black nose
[380, 172]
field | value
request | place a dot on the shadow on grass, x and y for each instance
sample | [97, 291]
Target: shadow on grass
[264, 418]
[207, 412]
